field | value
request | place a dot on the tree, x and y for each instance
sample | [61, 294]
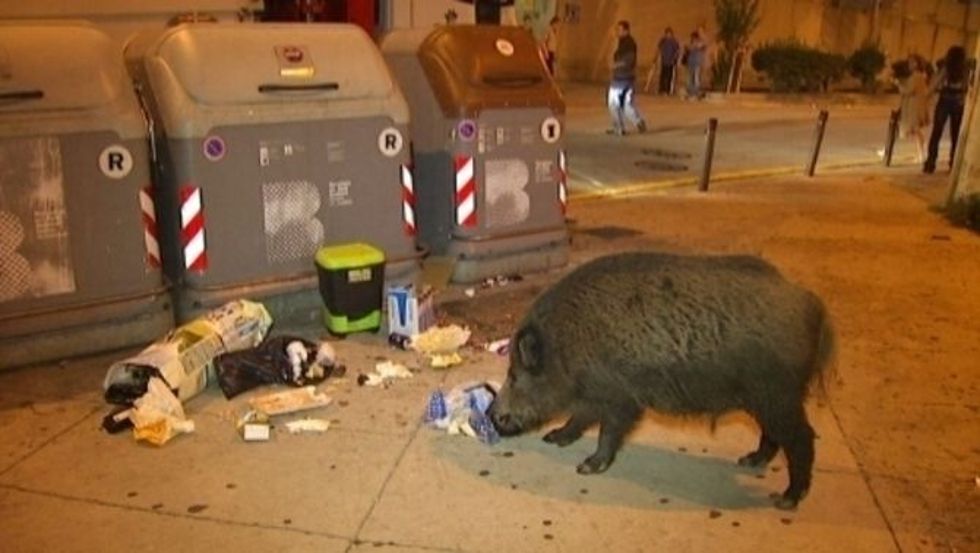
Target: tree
[737, 20]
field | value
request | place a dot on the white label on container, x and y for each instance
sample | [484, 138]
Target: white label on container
[115, 161]
[505, 47]
[391, 142]
[551, 130]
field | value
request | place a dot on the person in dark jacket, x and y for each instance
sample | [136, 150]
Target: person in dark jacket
[620, 98]
[669, 51]
[951, 84]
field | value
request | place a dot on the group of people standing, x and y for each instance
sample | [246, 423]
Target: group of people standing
[918, 86]
[670, 53]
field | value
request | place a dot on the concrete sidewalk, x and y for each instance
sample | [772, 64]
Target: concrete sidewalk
[379, 480]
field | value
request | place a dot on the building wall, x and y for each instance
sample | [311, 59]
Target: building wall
[926, 27]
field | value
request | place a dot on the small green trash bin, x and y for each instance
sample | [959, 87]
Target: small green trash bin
[351, 285]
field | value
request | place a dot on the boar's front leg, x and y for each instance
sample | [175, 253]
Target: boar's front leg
[581, 419]
[614, 424]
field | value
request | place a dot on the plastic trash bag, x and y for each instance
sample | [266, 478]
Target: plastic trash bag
[278, 360]
[463, 410]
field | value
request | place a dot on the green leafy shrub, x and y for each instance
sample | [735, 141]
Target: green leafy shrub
[792, 66]
[865, 64]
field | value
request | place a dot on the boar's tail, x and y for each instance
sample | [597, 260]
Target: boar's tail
[825, 361]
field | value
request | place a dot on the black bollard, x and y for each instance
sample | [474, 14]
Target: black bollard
[709, 154]
[892, 136]
[817, 142]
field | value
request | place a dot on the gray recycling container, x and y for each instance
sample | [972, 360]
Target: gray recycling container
[490, 166]
[79, 257]
[274, 140]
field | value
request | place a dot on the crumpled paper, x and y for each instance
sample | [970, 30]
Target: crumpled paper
[384, 373]
[440, 340]
[463, 410]
[157, 415]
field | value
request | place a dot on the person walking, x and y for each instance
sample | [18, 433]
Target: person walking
[914, 106]
[620, 97]
[693, 60]
[669, 50]
[951, 84]
[549, 46]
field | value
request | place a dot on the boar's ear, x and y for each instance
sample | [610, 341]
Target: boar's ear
[529, 349]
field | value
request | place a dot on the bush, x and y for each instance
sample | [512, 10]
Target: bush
[865, 64]
[795, 67]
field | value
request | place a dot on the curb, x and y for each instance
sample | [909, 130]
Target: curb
[633, 190]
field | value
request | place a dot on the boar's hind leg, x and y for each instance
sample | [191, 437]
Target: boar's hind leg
[795, 435]
[613, 426]
[761, 456]
[578, 423]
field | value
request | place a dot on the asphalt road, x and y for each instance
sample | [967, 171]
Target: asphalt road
[755, 134]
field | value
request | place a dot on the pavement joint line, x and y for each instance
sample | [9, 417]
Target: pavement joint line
[391, 473]
[146, 510]
[865, 477]
[52, 438]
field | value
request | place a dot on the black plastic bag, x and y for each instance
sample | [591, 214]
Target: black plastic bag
[270, 363]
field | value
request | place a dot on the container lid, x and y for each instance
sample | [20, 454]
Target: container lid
[222, 64]
[347, 256]
[52, 66]
[475, 67]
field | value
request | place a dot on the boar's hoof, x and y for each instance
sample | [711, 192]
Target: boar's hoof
[593, 465]
[560, 438]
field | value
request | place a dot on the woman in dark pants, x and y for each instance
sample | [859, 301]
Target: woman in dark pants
[951, 84]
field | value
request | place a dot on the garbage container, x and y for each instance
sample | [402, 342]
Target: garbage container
[274, 140]
[351, 284]
[487, 122]
[79, 262]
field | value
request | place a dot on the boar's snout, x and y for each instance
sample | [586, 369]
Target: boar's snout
[504, 422]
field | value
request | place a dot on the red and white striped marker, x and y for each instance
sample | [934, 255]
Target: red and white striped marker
[562, 181]
[150, 228]
[465, 192]
[192, 229]
[408, 199]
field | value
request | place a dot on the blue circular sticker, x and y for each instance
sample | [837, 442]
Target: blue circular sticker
[214, 148]
[466, 129]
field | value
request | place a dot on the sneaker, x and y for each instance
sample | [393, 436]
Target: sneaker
[641, 127]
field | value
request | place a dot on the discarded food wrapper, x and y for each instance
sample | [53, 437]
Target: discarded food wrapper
[463, 410]
[441, 340]
[500, 347]
[277, 360]
[470, 292]
[444, 361]
[308, 425]
[254, 427]
[410, 310]
[157, 415]
[290, 401]
[384, 373]
[184, 357]
[500, 281]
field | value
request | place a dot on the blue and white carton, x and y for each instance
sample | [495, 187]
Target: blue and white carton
[410, 311]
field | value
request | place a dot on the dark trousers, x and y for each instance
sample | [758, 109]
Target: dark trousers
[951, 109]
[666, 78]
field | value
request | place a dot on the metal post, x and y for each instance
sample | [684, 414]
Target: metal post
[709, 154]
[817, 142]
[892, 136]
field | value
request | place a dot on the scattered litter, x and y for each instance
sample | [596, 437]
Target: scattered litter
[500, 347]
[158, 416]
[254, 427]
[444, 361]
[399, 341]
[290, 401]
[118, 420]
[501, 280]
[308, 425]
[279, 360]
[183, 359]
[470, 292]
[410, 311]
[441, 339]
[384, 373]
[464, 411]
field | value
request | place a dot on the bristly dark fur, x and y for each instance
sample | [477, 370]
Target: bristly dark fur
[688, 335]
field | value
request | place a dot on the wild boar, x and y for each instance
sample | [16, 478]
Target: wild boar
[686, 335]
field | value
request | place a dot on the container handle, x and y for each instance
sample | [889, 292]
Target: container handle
[312, 87]
[513, 82]
[18, 95]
